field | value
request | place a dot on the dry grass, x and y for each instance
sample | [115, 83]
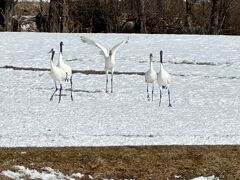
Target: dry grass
[150, 162]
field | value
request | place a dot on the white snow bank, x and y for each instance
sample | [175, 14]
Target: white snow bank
[206, 178]
[47, 173]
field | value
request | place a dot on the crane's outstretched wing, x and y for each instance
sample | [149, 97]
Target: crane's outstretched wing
[91, 42]
[117, 46]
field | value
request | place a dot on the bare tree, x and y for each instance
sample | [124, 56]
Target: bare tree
[189, 16]
[234, 20]
[224, 14]
[214, 17]
[6, 8]
[42, 17]
[58, 16]
[142, 16]
[220, 11]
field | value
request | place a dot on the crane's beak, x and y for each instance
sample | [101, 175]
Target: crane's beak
[50, 51]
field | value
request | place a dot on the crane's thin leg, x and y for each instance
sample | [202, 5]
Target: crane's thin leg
[60, 93]
[51, 98]
[112, 82]
[71, 88]
[152, 90]
[66, 78]
[106, 81]
[147, 92]
[160, 88]
[169, 98]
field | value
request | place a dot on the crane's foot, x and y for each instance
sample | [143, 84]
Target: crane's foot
[148, 98]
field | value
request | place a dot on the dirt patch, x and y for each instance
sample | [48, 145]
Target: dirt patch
[145, 162]
[87, 72]
[94, 72]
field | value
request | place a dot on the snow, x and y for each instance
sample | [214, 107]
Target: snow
[48, 173]
[206, 178]
[205, 97]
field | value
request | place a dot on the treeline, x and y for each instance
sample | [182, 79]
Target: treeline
[137, 16]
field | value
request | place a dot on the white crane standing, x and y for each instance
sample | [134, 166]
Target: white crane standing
[150, 77]
[66, 68]
[163, 79]
[58, 76]
[109, 56]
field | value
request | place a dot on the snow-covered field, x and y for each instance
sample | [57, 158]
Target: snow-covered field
[205, 92]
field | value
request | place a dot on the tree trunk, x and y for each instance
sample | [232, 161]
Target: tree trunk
[189, 15]
[213, 28]
[224, 14]
[58, 16]
[6, 7]
[142, 16]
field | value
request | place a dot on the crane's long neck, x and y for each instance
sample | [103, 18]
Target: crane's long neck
[60, 60]
[51, 64]
[51, 61]
[161, 67]
[151, 65]
[61, 48]
[161, 58]
[161, 61]
[112, 58]
[60, 57]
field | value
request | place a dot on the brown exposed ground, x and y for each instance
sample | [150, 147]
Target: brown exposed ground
[87, 72]
[74, 71]
[144, 162]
